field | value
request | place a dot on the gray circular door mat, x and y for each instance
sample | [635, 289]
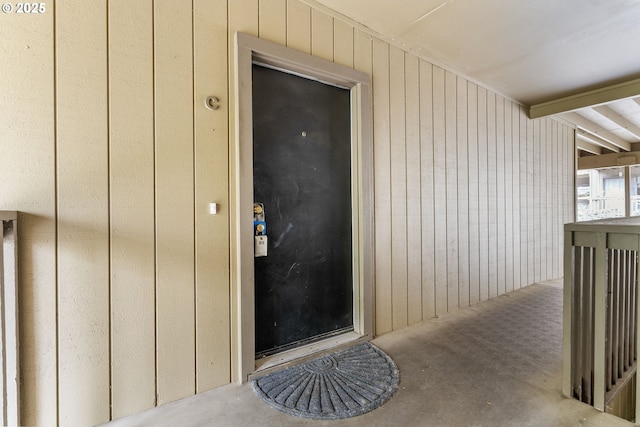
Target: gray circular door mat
[343, 384]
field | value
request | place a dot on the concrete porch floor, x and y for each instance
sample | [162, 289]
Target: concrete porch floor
[497, 363]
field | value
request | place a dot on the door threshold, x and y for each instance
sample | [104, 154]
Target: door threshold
[296, 355]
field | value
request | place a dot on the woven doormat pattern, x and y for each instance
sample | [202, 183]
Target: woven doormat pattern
[343, 384]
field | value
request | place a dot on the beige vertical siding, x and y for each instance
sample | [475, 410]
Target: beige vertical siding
[414, 193]
[131, 160]
[439, 200]
[462, 141]
[473, 202]
[211, 186]
[321, 35]
[82, 213]
[382, 168]
[273, 21]
[427, 224]
[174, 140]
[483, 195]
[299, 26]
[343, 44]
[28, 183]
[450, 210]
[398, 181]
[113, 158]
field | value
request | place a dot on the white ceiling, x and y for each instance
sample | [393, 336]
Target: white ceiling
[532, 51]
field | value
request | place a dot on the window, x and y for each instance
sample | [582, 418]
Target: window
[634, 189]
[601, 193]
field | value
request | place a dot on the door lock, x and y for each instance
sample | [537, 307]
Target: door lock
[259, 230]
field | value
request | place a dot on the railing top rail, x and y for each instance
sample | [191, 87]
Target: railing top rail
[613, 225]
[8, 215]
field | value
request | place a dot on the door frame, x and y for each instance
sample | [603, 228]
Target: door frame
[249, 50]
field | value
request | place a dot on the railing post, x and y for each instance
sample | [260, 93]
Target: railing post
[600, 312]
[10, 414]
[637, 331]
[567, 314]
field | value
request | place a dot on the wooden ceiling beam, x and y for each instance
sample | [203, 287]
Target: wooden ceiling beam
[594, 139]
[597, 131]
[583, 145]
[609, 160]
[586, 99]
[620, 121]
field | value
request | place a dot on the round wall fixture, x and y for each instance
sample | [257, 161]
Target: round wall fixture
[212, 103]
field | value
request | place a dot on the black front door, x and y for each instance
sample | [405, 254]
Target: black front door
[302, 176]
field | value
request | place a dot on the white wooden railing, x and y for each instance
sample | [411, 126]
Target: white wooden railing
[601, 314]
[9, 351]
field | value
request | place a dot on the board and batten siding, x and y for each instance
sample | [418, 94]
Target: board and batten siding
[127, 300]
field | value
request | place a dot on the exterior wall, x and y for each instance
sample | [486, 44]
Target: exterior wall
[108, 151]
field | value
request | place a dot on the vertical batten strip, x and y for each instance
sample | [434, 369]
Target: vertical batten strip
[534, 235]
[549, 250]
[194, 206]
[109, 225]
[544, 199]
